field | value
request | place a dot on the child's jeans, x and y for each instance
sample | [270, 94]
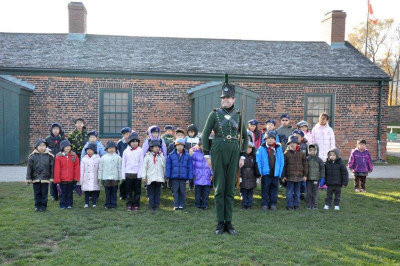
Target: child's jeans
[154, 194]
[179, 191]
[334, 189]
[269, 191]
[292, 194]
[92, 194]
[40, 192]
[312, 194]
[247, 197]
[201, 196]
[133, 190]
[54, 191]
[67, 198]
[111, 196]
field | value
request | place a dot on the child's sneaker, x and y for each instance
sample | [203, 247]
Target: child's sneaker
[337, 208]
[36, 209]
[86, 206]
[94, 206]
[326, 207]
[69, 207]
[363, 191]
[181, 208]
[136, 208]
[357, 190]
[176, 208]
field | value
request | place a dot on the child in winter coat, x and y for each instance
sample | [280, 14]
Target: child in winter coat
[154, 133]
[110, 174]
[152, 173]
[336, 176]
[360, 163]
[202, 175]
[255, 133]
[303, 126]
[191, 140]
[40, 173]
[179, 169]
[93, 138]
[66, 173]
[248, 175]
[270, 162]
[295, 171]
[270, 128]
[122, 144]
[285, 130]
[316, 171]
[131, 164]
[303, 143]
[89, 175]
[53, 143]
[168, 135]
[179, 134]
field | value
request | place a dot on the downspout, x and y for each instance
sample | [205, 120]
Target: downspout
[380, 122]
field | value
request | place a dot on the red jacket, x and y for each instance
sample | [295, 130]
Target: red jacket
[66, 168]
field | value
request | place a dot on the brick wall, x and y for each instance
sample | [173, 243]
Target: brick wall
[162, 102]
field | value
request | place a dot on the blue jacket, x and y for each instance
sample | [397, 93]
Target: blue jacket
[263, 160]
[100, 149]
[179, 167]
[121, 146]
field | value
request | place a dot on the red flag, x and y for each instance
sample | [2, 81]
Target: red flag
[371, 13]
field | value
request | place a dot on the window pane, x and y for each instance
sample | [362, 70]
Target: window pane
[115, 111]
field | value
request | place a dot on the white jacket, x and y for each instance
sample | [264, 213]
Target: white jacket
[89, 169]
[325, 138]
[153, 172]
[131, 161]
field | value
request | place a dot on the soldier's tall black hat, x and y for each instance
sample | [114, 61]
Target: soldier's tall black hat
[228, 90]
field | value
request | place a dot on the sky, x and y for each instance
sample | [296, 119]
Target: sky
[277, 20]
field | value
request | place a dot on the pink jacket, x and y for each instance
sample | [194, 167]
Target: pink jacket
[132, 162]
[308, 136]
[89, 169]
[325, 138]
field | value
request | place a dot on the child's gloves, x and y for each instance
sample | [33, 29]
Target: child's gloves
[322, 182]
[59, 189]
[78, 190]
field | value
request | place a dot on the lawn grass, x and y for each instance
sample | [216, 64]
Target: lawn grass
[393, 160]
[364, 231]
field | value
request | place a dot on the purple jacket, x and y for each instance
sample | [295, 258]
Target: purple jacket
[145, 146]
[201, 170]
[360, 161]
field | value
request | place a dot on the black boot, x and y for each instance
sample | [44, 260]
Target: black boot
[220, 228]
[229, 228]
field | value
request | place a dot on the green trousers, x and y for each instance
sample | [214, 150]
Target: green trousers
[225, 163]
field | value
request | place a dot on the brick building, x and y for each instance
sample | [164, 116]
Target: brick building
[116, 81]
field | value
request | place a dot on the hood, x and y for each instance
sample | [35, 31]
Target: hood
[56, 125]
[64, 144]
[92, 146]
[154, 128]
[336, 151]
[316, 147]
[192, 127]
[39, 141]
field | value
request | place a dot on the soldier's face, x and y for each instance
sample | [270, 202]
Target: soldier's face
[227, 102]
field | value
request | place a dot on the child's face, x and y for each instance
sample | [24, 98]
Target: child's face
[312, 151]
[304, 128]
[293, 145]
[285, 122]
[180, 135]
[191, 133]
[179, 147]
[154, 134]
[111, 150]
[299, 137]
[249, 150]
[169, 132]
[55, 131]
[322, 120]
[41, 148]
[89, 152]
[332, 156]
[126, 135]
[67, 149]
[92, 138]
[361, 146]
[156, 149]
[252, 127]
[270, 126]
[134, 144]
[270, 141]
[79, 125]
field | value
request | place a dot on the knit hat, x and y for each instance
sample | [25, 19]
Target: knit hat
[193, 128]
[302, 123]
[92, 146]
[110, 144]
[253, 122]
[272, 121]
[179, 141]
[155, 142]
[293, 139]
[133, 137]
[93, 133]
[297, 131]
[168, 127]
[155, 129]
[125, 130]
[40, 141]
[64, 143]
[285, 116]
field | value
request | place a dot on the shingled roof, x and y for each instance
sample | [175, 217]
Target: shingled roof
[184, 56]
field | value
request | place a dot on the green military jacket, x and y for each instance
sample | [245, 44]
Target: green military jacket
[226, 128]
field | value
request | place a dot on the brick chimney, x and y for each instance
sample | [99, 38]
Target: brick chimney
[77, 20]
[333, 28]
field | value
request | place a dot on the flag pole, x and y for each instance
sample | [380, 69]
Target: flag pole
[366, 35]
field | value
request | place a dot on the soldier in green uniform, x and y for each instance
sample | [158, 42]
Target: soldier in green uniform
[226, 155]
